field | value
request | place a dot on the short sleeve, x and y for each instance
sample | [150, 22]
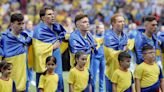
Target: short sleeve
[138, 72]
[71, 77]
[41, 82]
[115, 77]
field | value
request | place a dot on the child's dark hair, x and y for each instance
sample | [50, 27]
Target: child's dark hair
[123, 55]
[4, 65]
[147, 47]
[47, 60]
[50, 58]
[77, 55]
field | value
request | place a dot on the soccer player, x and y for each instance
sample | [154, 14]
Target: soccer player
[98, 62]
[115, 41]
[81, 39]
[146, 36]
[47, 39]
[14, 44]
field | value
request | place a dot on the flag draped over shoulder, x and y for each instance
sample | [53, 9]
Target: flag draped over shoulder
[1, 51]
[113, 45]
[15, 49]
[43, 40]
[79, 43]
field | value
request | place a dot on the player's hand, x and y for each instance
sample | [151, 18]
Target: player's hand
[126, 48]
[56, 44]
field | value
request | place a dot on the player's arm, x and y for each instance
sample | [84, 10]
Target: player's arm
[114, 87]
[90, 88]
[41, 90]
[70, 88]
[162, 84]
[137, 85]
[133, 88]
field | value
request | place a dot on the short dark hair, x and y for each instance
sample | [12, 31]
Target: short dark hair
[50, 58]
[4, 65]
[80, 16]
[123, 55]
[43, 10]
[149, 18]
[16, 17]
[147, 47]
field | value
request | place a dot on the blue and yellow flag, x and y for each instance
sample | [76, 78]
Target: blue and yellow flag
[79, 43]
[113, 45]
[15, 49]
[43, 40]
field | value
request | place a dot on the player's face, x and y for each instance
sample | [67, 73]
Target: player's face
[29, 25]
[49, 17]
[119, 23]
[7, 71]
[50, 65]
[126, 63]
[82, 60]
[152, 26]
[149, 55]
[100, 29]
[83, 24]
[18, 26]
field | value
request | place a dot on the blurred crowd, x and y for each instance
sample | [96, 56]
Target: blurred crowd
[98, 10]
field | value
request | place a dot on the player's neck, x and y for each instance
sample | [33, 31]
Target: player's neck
[14, 32]
[118, 32]
[83, 33]
[149, 62]
[79, 68]
[123, 69]
[49, 25]
[5, 77]
[50, 72]
[149, 35]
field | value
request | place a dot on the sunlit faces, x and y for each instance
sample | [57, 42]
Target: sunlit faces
[7, 71]
[119, 23]
[100, 29]
[125, 63]
[49, 17]
[149, 55]
[50, 66]
[29, 25]
[81, 61]
[18, 26]
[151, 26]
[83, 24]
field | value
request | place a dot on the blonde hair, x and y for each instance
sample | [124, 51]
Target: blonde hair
[113, 18]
